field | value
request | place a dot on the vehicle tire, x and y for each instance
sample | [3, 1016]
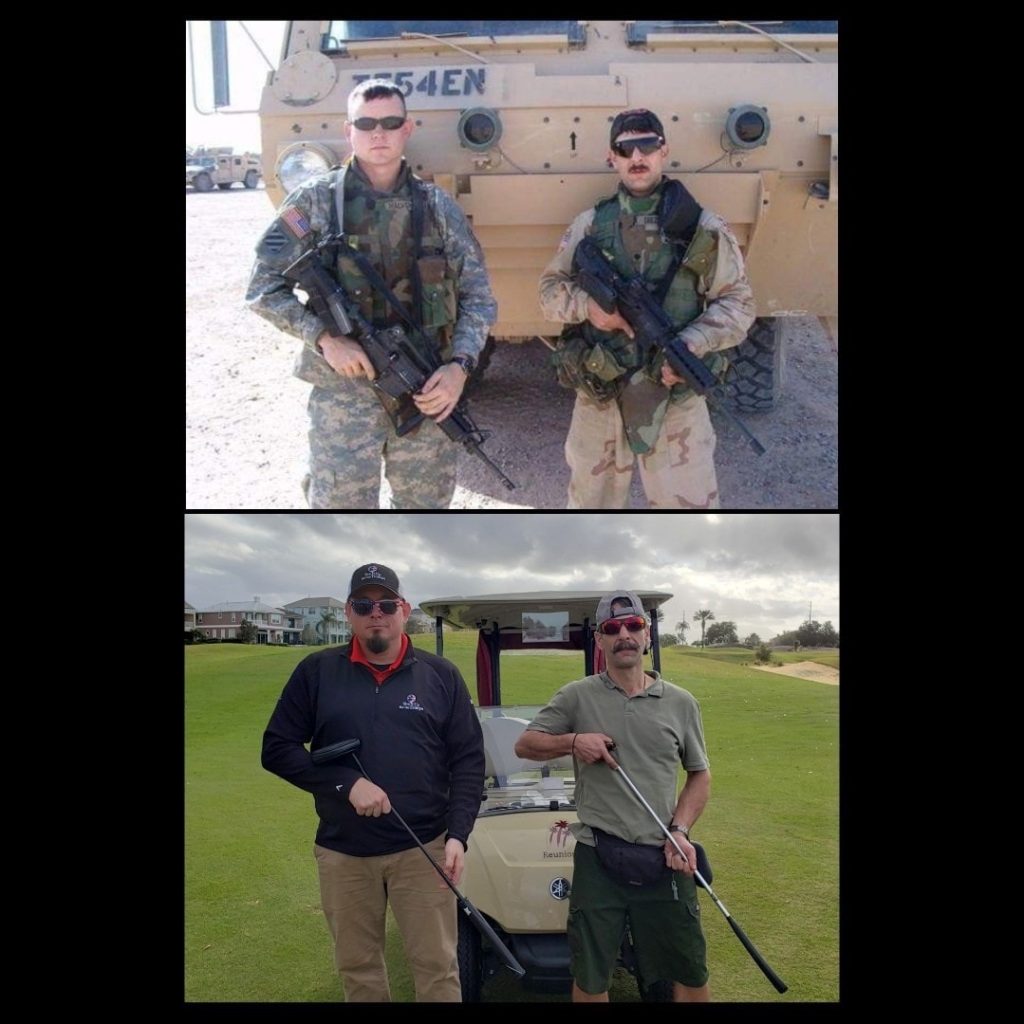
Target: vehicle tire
[225, 185]
[757, 367]
[202, 182]
[252, 179]
[471, 964]
[656, 992]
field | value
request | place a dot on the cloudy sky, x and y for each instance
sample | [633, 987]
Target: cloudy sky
[761, 571]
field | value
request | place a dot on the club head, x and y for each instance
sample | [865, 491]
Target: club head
[336, 751]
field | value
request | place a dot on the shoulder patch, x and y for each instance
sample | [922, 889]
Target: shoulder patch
[296, 222]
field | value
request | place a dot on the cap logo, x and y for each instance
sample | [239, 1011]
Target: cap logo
[372, 573]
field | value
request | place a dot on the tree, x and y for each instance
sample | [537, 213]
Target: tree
[829, 636]
[752, 641]
[681, 627]
[247, 632]
[722, 633]
[667, 640]
[327, 619]
[703, 616]
[308, 633]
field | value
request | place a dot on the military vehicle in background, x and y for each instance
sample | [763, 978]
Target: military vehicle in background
[220, 166]
[512, 118]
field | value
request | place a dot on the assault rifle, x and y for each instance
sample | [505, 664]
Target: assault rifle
[651, 324]
[401, 370]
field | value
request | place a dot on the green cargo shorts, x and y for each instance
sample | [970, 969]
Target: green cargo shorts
[664, 920]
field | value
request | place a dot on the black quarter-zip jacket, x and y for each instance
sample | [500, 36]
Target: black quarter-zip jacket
[420, 741]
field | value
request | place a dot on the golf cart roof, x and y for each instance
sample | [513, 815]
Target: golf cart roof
[480, 610]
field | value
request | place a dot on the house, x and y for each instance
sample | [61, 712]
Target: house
[311, 611]
[190, 617]
[273, 625]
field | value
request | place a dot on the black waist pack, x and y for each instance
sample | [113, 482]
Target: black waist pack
[630, 863]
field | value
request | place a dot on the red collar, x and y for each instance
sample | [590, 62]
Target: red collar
[358, 657]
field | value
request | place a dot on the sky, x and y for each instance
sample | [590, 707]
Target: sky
[763, 571]
[248, 74]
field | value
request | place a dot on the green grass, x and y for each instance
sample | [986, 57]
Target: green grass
[254, 930]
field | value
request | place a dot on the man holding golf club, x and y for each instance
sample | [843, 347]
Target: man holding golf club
[409, 716]
[625, 870]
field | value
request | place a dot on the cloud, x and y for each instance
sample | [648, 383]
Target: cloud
[758, 570]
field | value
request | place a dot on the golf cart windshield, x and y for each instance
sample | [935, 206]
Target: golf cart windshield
[511, 783]
[549, 619]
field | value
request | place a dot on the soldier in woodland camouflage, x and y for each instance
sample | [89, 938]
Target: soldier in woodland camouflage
[439, 278]
[624, 409]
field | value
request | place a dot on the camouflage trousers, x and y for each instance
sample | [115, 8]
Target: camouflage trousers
[349, 436]
[678, 472]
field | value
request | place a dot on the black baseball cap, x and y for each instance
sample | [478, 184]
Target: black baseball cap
[376, 575]
[638, 120]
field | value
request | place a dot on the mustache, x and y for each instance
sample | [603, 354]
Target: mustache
[639, 167]
[625, 645]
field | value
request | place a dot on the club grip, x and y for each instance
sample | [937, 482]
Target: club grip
[480, 922]
[325, 755]
[780, 985]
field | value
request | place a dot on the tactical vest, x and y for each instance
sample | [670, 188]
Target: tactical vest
[380, 226]
[626, 227]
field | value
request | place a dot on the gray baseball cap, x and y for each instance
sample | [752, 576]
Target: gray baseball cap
[604, 609]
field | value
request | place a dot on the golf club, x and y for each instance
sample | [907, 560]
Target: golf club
[779, 984]
[346, 748]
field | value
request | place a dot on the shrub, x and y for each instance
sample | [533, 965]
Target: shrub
[763, 655]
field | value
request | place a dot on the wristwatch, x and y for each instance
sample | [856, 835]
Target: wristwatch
[680, 828]
[468, 363]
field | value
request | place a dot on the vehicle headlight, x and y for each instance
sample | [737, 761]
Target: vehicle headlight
[479, 128]
[303, 161]
[748, 126]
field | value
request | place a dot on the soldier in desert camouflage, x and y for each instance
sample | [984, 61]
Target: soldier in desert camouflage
[624, 409]
[439, 278]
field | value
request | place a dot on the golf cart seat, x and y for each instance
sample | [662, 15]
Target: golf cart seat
[500, 760]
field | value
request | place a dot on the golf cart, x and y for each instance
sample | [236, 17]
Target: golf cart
[519, 872]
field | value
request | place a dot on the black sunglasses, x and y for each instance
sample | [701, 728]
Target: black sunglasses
[364, 606]
[389, 124]
[611, 627]
[647, 144]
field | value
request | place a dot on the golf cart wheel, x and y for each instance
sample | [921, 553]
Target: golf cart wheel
[656, 992]
[470, 955]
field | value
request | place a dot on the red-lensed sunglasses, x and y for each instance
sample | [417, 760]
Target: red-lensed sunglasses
[611, 627]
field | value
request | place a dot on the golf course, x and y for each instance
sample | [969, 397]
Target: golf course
[254, 931]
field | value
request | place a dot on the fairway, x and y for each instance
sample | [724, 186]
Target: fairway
[254, 931]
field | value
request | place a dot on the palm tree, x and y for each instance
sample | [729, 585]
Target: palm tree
[704, 615]
[681, 627]
[327, 619]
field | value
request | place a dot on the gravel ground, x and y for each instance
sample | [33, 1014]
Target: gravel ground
[245, 419]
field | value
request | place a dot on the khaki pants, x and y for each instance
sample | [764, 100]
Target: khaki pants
[355, 892]
[679, 472]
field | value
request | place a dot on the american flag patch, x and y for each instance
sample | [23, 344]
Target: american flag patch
[296, 221]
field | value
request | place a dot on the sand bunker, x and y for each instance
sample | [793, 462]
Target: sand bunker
[805, 670]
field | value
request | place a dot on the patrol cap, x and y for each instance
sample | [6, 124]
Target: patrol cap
[604, 608]
[376, 575]
[638, 120]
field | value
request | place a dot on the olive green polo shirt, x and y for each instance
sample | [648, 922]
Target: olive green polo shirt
[654, 731]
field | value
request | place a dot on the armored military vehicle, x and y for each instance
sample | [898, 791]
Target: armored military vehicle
[512, 118]
[222, 167]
